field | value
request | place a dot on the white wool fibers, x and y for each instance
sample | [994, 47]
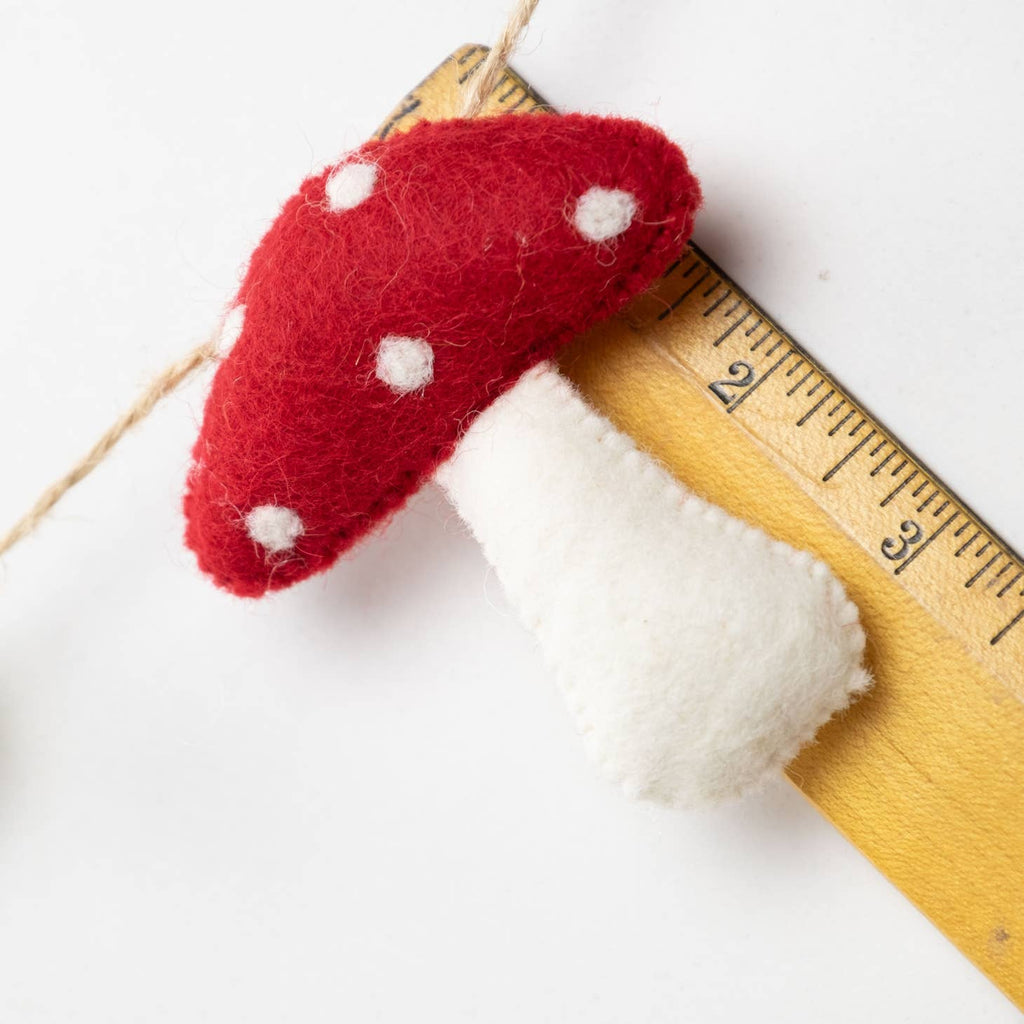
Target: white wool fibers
[696, 654]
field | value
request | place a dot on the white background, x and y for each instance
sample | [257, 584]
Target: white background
[362, 800]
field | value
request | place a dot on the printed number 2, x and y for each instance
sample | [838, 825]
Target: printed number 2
[896, 549]
[741, 375]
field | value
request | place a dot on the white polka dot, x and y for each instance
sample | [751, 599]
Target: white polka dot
[603, 213]
[230, 330]
[405, 364]
[274, 528]
[349, 185]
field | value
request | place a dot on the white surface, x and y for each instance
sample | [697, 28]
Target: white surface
[362, 800]
[696, 655]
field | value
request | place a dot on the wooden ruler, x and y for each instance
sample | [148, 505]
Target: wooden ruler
[926, 774]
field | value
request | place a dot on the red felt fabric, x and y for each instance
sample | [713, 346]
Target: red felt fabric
[467, 241]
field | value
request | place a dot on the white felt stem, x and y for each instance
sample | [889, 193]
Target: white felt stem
[696, 654]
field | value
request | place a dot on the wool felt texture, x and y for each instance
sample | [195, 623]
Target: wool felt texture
[461, 238]
[696, 654]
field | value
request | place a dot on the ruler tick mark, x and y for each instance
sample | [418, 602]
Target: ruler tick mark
[712, 288]
[942, 508]
[1009, 585]
[774, 347]
[846, 458]
[856, 429]
[963, 547]
[839, 426]
[750, 330]
[899, 469]
[995, 579]
[717, 303]
[693, 287]
[878, 469]
[918, 490]
[1006, 629]
[692, 267]
[465, 74]
[984, 569]
[878, 447]
[810, 394]
[924, 547]
[760, 341]
[927, 501]
[721, 337]
[837, 408]
[799, 384]
[796, 366]
[732, 309]
[892, 494]
[807, 415]
[984, 547]
[405, 111]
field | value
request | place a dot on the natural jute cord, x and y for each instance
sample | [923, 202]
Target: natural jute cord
[478, 88]
[483, 83]
[164, 384]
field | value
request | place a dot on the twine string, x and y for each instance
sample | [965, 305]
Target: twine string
[484, 81]
[478, 87]
[164, 384]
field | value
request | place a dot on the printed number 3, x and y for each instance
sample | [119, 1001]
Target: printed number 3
[719, 387]
[897, 549]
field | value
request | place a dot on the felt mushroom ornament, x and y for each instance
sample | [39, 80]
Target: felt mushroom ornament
[397, 323]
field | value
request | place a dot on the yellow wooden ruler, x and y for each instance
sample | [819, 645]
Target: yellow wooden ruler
[926, 774]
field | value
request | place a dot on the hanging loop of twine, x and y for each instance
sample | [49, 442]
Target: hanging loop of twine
[478, 87]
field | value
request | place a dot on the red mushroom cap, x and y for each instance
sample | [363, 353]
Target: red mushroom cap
[400, 292]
